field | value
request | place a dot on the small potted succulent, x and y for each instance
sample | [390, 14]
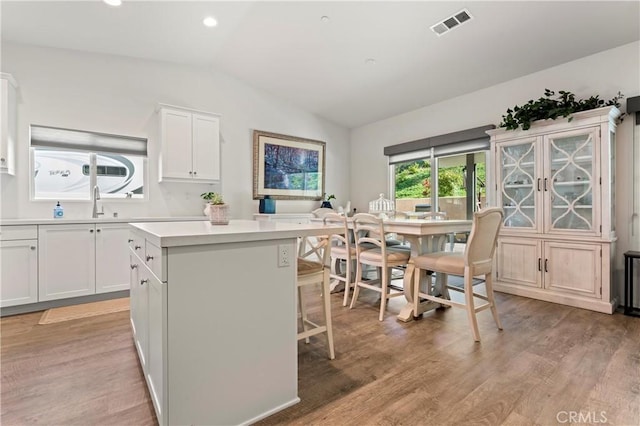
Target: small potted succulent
[216, 209]
[326, 203]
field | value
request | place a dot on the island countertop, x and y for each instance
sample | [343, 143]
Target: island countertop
[176, 234]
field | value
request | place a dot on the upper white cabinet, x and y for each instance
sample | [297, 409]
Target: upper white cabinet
[190, 143]
[8, 123]
[555, 183]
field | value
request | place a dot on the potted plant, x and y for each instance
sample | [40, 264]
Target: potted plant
[549, 108]
[216, 209]
[326, 203]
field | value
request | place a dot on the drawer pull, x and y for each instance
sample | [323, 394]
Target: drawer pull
[143, 281]
[97, 230]
[149, 258]
[134, 266]
[129, 240]
[546, 262]
[91, 230]
[32, 247]
[137, 247]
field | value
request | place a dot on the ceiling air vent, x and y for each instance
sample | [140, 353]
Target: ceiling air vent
[451, 22]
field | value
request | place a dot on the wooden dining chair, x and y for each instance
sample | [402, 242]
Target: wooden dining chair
[372, 250]
[342, 251]
[314, 273]
[476, 260]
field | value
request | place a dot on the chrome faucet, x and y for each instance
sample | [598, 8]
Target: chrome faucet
[96, 197]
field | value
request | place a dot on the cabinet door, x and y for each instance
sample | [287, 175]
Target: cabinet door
[519, 184]
[134, 265]
[572, 191]
[19, 272]
[573, 268]
[140, 315]
[519, 261]
[206, 147]
[176, 157]
[8, 124]
[112, 257]
[66, 256]
[157, 341]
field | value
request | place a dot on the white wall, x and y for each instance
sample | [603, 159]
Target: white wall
[603, 74]
[113, 94]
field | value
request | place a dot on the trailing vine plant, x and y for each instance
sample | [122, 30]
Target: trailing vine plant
[547, 107]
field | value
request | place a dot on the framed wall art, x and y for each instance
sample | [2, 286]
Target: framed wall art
[287, 167]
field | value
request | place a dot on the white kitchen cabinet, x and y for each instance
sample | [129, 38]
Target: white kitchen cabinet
[139, 307]
[112, 257]
[157, 315]
[66, 261]
[195, 350]
[555, 184]
[8, 123]
[18, 265]
[190, 145]
[82, 259]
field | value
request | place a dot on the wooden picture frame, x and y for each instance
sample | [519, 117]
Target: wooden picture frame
[287, 167]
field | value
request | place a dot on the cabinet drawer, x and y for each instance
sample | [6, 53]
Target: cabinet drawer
[136, 242]
[18, 232]
[155, 261]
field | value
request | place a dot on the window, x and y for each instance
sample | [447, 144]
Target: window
[68, 163]
[417, 189]
[445, 173]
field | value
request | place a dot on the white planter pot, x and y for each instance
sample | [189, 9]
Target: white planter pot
[218, 213]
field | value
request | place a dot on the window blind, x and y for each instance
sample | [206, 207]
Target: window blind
[461, 142]
[82, 140]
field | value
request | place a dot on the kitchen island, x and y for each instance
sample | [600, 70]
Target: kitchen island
[213, 313]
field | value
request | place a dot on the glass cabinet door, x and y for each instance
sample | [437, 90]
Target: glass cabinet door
[570, 183]
[518, 183]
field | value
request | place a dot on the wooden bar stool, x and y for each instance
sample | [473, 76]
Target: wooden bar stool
[312, 273]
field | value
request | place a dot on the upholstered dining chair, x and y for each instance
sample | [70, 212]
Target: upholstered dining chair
[372, 250]
[313, 273]
[342, 251]
[476, 260]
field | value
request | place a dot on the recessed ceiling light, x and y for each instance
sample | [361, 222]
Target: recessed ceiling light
[210, 21]
[325, 18]
[113, 2]
[370, 61]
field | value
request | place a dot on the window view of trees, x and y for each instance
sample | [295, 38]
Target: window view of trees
[412, 180]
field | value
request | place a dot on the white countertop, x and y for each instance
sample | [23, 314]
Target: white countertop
[51, 221]
[174, 234]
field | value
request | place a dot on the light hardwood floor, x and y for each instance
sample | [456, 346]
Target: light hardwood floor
[549, 361]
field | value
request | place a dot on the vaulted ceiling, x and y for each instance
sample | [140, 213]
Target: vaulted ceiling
[362, 62]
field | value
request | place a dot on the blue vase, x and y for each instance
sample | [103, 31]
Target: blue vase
[267, 205]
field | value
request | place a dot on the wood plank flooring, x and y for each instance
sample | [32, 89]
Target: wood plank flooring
[549, 361]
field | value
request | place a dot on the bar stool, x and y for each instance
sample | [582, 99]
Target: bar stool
[629, 309]
[310, 273]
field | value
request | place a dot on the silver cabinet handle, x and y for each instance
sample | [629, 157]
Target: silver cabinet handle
[91, 230]
[134, 266]
[137, 247]
[195, 173]
[97, 230]
[149, 258]
[3, 160]
[32, 247]
[143, 281]
[129, 240]
[190, 173]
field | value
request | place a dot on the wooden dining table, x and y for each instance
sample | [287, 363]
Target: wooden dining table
[424, 236]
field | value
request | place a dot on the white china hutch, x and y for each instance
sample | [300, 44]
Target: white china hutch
[555, 183]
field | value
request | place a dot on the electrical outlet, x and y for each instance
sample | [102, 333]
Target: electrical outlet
[284, 260]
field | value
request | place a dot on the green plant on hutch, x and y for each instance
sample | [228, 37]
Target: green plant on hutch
[549, 108]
